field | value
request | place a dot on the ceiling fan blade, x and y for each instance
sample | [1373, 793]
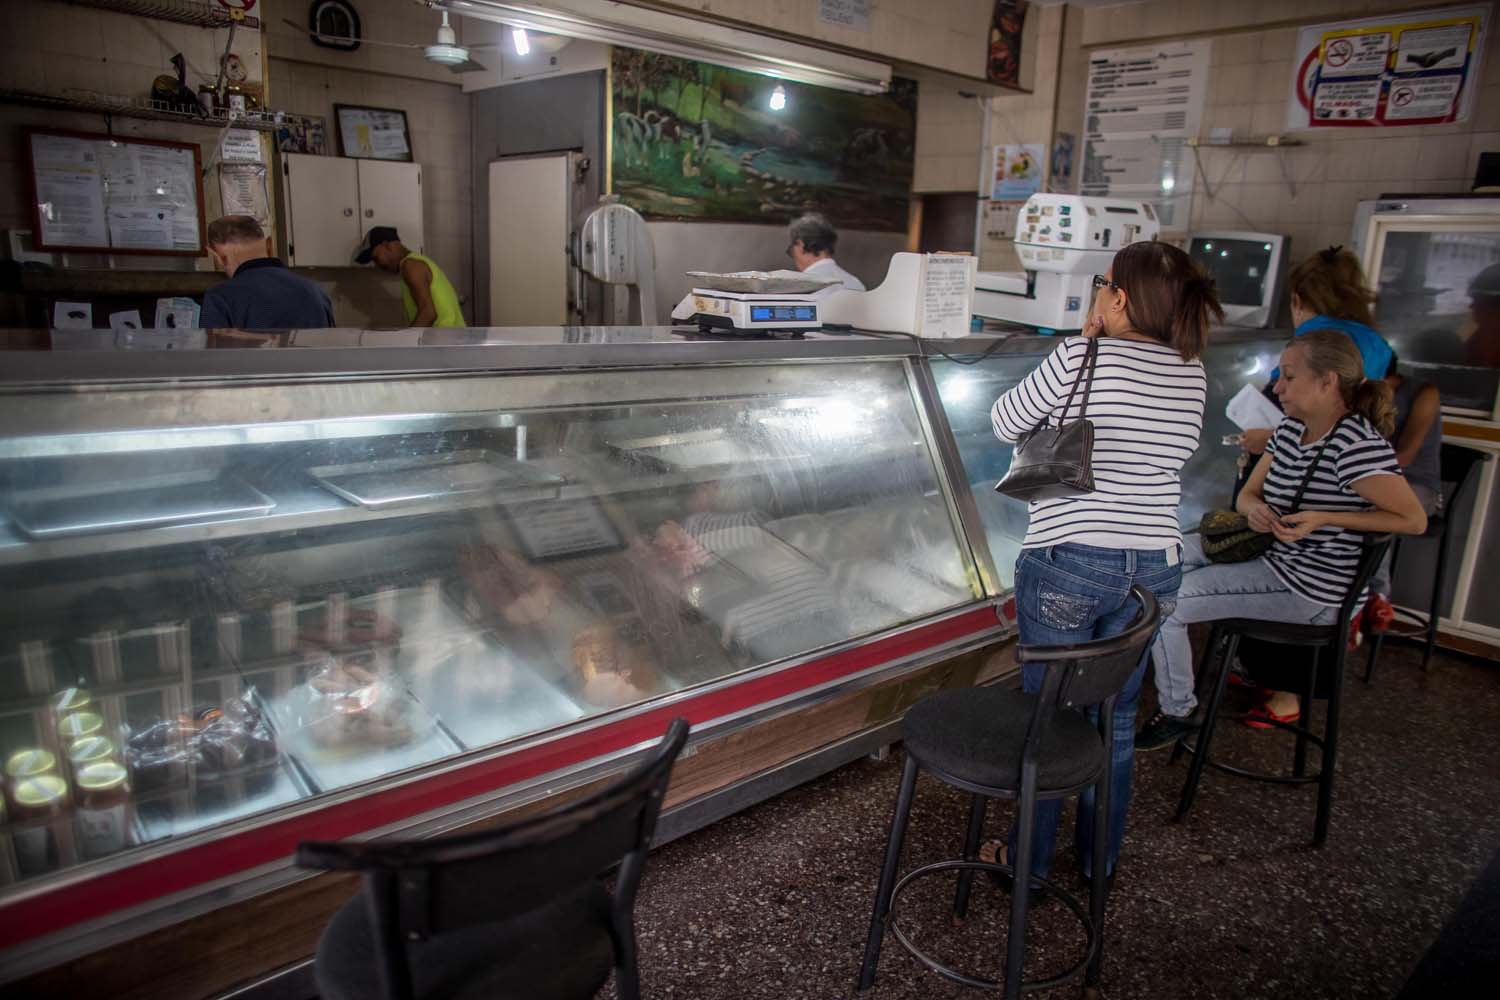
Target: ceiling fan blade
[344, 39]
[469, 66]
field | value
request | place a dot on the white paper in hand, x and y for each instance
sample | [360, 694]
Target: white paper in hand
[1249, 408]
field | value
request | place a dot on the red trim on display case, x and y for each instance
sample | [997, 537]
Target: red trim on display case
[192, 867]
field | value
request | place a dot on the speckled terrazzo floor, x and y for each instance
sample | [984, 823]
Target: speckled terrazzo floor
[774, 902]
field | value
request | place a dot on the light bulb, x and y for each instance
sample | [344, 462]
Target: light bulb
[519, 39]
[778, 98]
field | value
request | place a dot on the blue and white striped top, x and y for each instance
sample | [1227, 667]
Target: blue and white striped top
[1321, 566]
[1146, 404]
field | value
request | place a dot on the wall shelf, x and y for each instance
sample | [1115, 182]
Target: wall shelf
[93, 102]
[202, 13]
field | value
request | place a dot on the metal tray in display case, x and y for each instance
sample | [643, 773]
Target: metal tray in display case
[149, 502]
[689, 450]
[387, 482]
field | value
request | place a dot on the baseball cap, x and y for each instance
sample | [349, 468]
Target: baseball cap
[376, 236]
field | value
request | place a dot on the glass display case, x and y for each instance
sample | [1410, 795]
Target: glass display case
[245, 583]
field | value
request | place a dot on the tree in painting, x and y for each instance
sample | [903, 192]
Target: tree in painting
[695, 141]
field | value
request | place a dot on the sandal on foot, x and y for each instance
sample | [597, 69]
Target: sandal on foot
[996, 851]
[1257, 717]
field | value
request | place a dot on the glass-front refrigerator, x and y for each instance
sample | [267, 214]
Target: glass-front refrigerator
[1435, 266]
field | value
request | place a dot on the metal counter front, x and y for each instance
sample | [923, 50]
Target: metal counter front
[350, 583]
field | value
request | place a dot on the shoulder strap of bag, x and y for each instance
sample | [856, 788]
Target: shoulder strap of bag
[1307, 479]
[1085, 377]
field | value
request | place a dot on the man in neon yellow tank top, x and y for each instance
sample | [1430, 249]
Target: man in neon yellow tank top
[426, 292]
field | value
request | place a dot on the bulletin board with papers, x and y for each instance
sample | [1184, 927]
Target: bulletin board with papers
[96, 193]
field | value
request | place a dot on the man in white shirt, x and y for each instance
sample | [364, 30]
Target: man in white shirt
[812, 241]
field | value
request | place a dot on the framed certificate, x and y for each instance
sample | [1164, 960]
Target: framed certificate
[372, 133]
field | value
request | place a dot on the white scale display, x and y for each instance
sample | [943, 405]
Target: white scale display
[713, 309]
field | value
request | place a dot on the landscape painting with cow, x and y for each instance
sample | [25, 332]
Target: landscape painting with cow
[695, 141]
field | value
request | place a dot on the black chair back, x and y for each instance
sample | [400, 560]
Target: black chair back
[1456, 463]
[422, 888]
[1372, 551]
[1087, 673]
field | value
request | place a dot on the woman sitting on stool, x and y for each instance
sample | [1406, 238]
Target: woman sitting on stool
[1339, 420]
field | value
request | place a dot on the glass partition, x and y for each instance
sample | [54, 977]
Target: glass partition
[224, 598]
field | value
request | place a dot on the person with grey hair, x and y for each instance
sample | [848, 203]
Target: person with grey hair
[811, 249]
[261, 293]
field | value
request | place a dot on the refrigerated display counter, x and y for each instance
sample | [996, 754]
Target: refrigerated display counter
[270, 588]
[338, 584]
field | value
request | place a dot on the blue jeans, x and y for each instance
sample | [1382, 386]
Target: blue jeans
[1072, 593]
[1211, 591]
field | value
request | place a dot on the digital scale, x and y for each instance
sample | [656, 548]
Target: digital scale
[752, 312]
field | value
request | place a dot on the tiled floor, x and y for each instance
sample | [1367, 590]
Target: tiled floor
[774, 902]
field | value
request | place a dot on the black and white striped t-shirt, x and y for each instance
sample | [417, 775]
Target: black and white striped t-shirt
[1321, 566]
[1146, 404]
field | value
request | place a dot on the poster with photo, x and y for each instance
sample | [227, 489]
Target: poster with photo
[1017, 171]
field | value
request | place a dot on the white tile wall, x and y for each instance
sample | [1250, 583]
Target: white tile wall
[1251, 80]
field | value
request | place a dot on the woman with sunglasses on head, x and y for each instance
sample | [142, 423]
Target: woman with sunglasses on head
[1334, 439]
[1081, 555]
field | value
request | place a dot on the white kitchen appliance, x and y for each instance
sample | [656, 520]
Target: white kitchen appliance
[1063, 240]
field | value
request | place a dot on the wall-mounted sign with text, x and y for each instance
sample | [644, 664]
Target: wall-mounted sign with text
[1414, 69]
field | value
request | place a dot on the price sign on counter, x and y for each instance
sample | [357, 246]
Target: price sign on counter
[947, 295]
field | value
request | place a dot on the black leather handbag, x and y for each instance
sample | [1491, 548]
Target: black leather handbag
[1051, 462]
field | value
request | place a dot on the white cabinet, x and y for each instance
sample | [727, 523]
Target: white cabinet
[332, 201]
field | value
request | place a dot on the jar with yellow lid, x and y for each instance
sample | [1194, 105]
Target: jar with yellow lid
[39, 825]
[89, 750]
[102, 814]
[70, 700]
[28, 763]
[75, 727]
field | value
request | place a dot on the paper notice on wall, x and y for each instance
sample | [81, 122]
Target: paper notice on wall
[373, 134]
[1143, 105]
[1017, 171]
[947, 295]
[242, 190]
[241, 145]
[69, 192]
[851, 14]
[140, 228]
[72, 316]
[1348, 100]
[1427, 97]
[1408, 69]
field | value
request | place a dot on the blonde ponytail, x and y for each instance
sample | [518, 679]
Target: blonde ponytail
[1331, 351]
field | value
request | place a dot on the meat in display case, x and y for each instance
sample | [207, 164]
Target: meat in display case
[250, 591]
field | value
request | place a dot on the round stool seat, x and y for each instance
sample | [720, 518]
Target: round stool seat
[977, 735]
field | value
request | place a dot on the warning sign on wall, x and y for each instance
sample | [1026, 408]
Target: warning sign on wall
[1416, 69]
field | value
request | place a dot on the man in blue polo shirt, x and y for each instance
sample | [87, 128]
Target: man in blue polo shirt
[261, 293]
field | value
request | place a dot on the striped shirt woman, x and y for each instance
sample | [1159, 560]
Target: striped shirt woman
[1082, 554]
[1321, 565]
[1146, 405]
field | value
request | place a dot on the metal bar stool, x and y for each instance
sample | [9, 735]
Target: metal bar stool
[1001, 743]
[1224, 642]
[1457, 464]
